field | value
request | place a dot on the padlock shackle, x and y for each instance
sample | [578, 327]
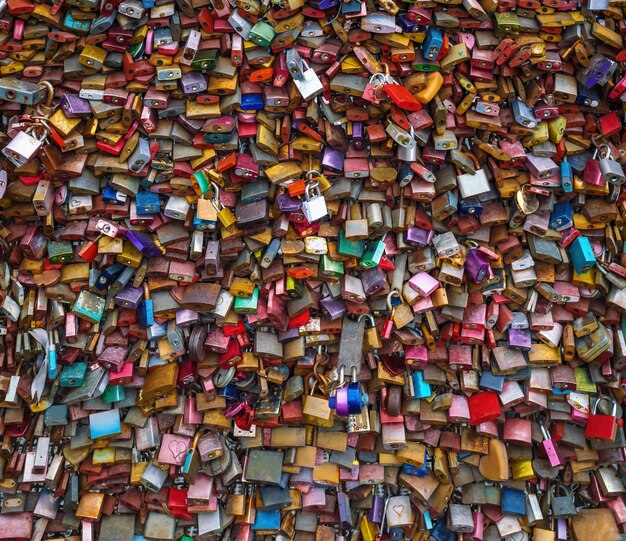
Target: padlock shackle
[368, 317]
[391, 295]
[594, 408]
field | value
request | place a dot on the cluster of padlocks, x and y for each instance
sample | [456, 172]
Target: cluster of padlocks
[312, 270]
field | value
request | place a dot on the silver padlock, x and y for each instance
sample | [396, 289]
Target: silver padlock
[22, 148]
[314, 208]
[399, 512]
[308, 83]
[460, 518]
[176, 208]
[153, 477]
[400, 136]
[611, 170]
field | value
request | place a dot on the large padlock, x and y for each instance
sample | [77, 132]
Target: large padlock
[602, 426]
[314, 205]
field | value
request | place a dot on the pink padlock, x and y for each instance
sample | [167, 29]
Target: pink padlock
[459, 409]
[424, 284]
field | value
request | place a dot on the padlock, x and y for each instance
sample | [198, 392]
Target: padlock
[562, 506]
[314, 207]
[602, 426]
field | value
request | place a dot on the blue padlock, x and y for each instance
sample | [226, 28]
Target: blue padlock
[267, 519]
[432, 43]
[350, 7]
[491, 382]
[421, 389]
[56, 415]
[147, 203]
[598, 72]
[405, 175]
[53, 370]
[252, 102]
[156, 330]
[80, 26]
[567, 177]
[145, 313]
[562, 216]
[581, 254]
[471, 206]
[230, 392]
[203, 225]
[441, 533]
[578, 161]
[524, 115]
[588, 97]
[513, 501]
[111, 195]
[428, 521]
[108, 274]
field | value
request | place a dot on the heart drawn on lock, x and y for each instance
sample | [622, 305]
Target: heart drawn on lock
[399, 509]
[177, 448]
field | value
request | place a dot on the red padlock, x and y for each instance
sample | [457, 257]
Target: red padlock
[600, 426]
[484, 406]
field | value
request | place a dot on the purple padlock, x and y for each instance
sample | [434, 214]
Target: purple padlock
[323, 4]
[345, 514]
[186, 318]
[333, 159]
[519, 339]
[358, 141]
[561, 529]
[378, 505]
[416, 236]
[476, 266]
[74, 106]
[288, 334]
[129, 297]
[373, 280]
[333, 308]
[193, 82]
[144, 243]
[286, 203]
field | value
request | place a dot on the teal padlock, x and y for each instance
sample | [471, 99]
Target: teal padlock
[73, 375]
[113, 393]
[350, 248]
[89, 307]
[247, 305]
[373, 254]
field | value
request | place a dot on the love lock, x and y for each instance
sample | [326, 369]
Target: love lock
[314, 206]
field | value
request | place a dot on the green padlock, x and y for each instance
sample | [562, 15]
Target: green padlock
[330, 268]
[262, 34]
[204, 60]
[60, 252]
